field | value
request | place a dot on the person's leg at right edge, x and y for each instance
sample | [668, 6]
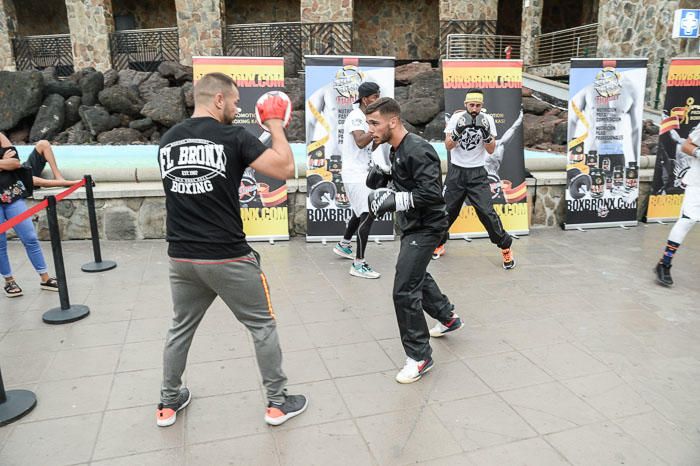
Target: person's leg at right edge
[454, 193]
[675, 238]
[414, 257]
[690, 215]
[191, 299]
[243, 286]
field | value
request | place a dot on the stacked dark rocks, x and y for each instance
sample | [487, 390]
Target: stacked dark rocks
[133, 107]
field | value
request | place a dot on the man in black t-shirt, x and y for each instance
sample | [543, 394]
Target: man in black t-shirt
[202, 161]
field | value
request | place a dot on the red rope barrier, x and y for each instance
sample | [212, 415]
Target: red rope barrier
[16, 220]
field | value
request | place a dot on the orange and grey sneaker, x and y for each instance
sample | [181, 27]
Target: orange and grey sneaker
[439, 251]
[508, 259]
[167, 413]
[279, 413]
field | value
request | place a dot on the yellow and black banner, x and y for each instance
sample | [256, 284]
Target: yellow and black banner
[680, 115]
[263, 199]
[501, 82]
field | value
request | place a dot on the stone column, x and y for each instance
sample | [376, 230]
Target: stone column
[456, 16]
[326, 11]
[531, 28]
[639, 28]
[90, 23]
[8, 22]
[459, 10]
[200, 25]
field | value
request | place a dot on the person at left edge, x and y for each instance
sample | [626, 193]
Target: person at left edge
[202, 161]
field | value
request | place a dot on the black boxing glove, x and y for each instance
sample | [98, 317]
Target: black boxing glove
[385, 200]
[482, 124]
[377, 178]
[463, 123]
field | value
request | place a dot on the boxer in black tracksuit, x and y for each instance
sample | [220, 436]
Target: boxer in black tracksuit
[422, 219]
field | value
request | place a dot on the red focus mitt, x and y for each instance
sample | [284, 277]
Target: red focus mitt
[273, 105]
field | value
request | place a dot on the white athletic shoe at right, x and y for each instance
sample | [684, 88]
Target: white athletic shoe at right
[414, 370]
[363, 270]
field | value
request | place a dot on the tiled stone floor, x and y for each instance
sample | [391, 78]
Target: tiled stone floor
[575, 357]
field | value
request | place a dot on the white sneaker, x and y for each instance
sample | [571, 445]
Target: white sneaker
[440, 329]
[363, 270]
[413, 370]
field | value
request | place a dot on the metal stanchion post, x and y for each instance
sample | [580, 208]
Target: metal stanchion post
[14, 403]
[66, 313]
[98, 265]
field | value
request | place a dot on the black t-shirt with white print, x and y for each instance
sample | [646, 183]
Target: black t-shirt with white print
[201, 163]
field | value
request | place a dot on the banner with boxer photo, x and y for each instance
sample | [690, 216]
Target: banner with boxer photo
[680, 115]
[606, 101]
[501, 81]
[332, 84]
[263, 199]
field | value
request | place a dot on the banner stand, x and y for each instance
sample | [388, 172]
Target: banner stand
[605, 109]
[501, 83]
[598, 226]
[331, 91]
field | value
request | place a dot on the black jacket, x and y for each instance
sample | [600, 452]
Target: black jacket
[415, 167]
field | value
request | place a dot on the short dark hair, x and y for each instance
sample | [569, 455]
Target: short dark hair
[385, 106]
[210, 84]
[475, 90]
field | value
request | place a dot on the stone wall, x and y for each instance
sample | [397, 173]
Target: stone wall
[564, 14]
[90, 23]
[531, 28]
[468, 10]
[7, 32]
[38, 17]
[117, 219]
[253, 11]
[405, 30]
[642, 28]
[324, 11]
[200, 26]
[136, 218]
[148, 14]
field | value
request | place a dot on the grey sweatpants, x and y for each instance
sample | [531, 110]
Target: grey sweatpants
[242, 285]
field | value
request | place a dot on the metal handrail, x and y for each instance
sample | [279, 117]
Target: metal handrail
[291, 40]
[174, 28]
[144, 49]
[39, 52]
[483, 46]
[560, 46]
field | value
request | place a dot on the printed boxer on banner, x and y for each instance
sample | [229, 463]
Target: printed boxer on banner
[263, 199]
[680, 115]
[605, 134]
[332, 84]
